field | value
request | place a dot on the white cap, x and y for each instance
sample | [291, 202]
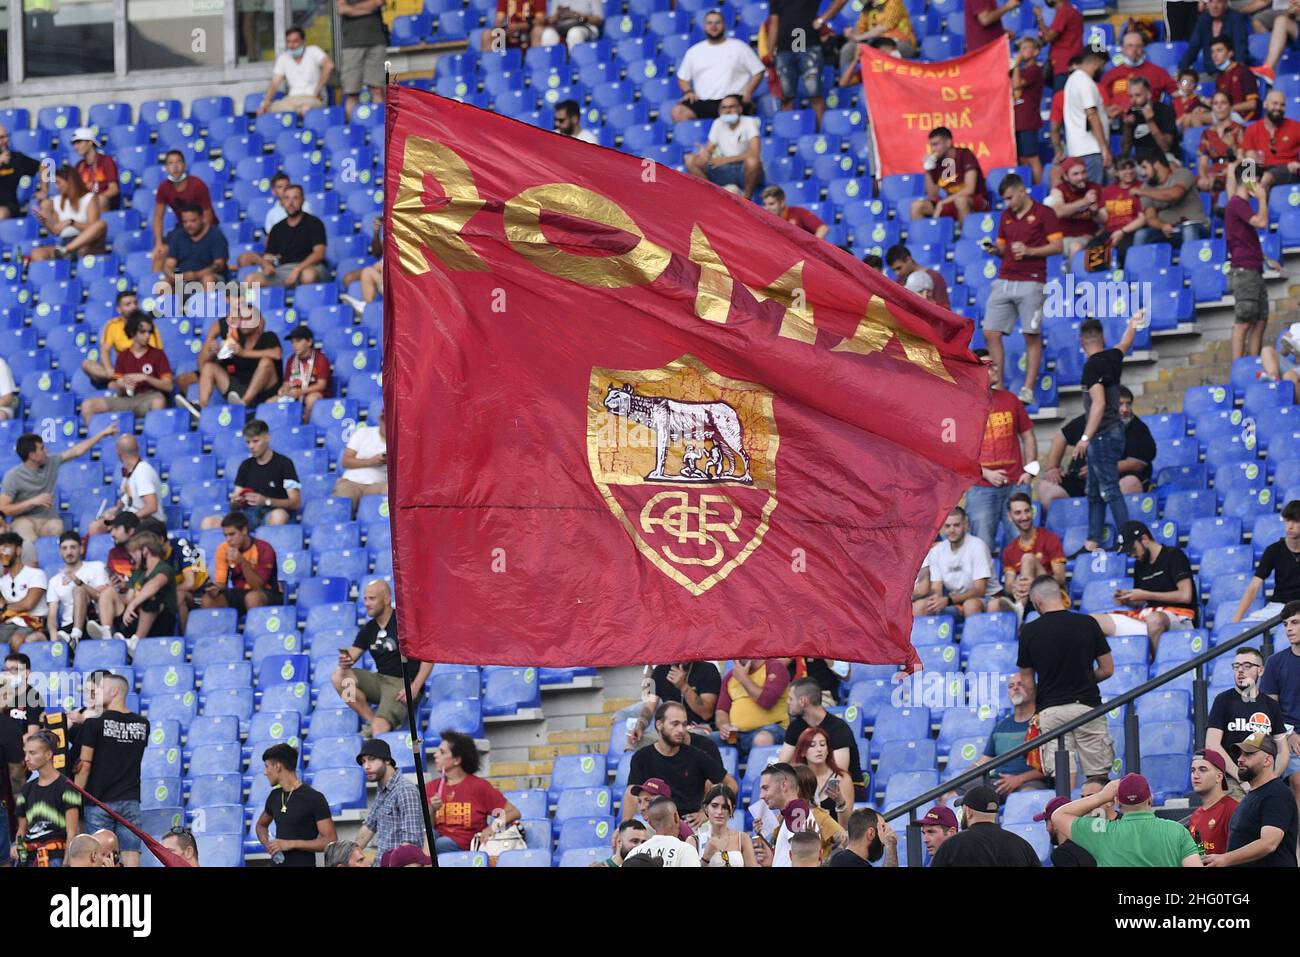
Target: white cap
[84, 133]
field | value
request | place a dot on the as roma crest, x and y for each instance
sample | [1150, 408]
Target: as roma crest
[686, 461]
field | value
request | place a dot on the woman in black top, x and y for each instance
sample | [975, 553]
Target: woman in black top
[834, 791]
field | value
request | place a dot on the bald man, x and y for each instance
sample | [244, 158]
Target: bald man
[108, 854]
[83, 851]
[139, 489]
[386, 685]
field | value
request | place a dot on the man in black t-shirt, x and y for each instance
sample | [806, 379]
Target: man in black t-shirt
[1241, 711]
[1150, 125]
[983, 843]
[1064, 853]
[1134, 468]
[688, 770]
[241, 359]
[796, 27]
[295, 249]
[303, 824]
[49, 808]
[386, 685]
[805, 709]
[267, 490]
[1281, 560]
[1102, 441]
[1163, 596]
[695, 684]
[21, 708]
[869, 838]
[13, 167]
[1263, 829]
[112, 746]
[1057, 652]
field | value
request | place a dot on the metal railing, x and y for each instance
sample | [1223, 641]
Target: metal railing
[1132, 751]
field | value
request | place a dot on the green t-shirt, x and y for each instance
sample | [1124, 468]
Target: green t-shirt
[1138, 839]
[167, 595]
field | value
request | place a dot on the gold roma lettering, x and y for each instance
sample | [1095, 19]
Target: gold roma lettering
[416, 227]
[878, 326]
[713, 297]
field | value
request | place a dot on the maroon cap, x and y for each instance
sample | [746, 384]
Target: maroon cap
[1133, 789]
[1071, 163]
[939, 816]
[1052, 805]
[1215, 760]
[655, 787]
[405, 855]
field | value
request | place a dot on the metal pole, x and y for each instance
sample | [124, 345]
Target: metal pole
[1063, 761]
[915, 855]
[1132, 741]
[1200, 707]
[417, 748]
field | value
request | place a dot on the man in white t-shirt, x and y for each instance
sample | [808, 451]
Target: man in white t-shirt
[305, 68]
[731, 156]
[960, 572]
[715, 67]
[568, 122]
[73, 590]
[22, 591]
[663, 817]
[139, 489]
[8, 391]
[574, 21]
[365, 464]
[1084, 113]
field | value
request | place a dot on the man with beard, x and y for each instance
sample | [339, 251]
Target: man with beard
[1065, 853]
[1281, 682]
[1076, 200]
[666, 843]
[1164, 594]
[1149, 125]
[1035, 551]
[1262, 832]
[22, 590]
[984, 843]
[629, 836]
[1241, 711]
[1209, 822]
[1008, 733]
[954, 181]
[397, 816]
[716, 67]
[869, 839]
[687, 769]
[937, 825]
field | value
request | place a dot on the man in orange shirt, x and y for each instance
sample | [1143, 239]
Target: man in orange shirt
[1034, 552]
[245, 572]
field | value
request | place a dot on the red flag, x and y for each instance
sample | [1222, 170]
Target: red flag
[635, 418]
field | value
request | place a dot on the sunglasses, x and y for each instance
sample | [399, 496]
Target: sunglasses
[180, 829]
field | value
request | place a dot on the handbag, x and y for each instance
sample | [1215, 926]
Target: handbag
[511, 839]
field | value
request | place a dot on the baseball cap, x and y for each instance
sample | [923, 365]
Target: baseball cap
[1259, 741]
[1215, 760]
[377, 748]
[405, 855]
[128, 520]
[1071, 163]
[981, 798]
[941, 816]
[302, 332]
[1130, 534]
[1050, 809]
[1133, 789]
[84, 133]
[655, 787]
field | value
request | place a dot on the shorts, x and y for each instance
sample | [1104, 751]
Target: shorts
[383, 689]
[97, 819]
[1091, 742]
[266, 395]
[13, 627]
[1026, 142]
[1251, 295]
[292, 104]
[140, 403]
[1292, 766]
[704, 109]
[978, 204]
[256, 515]
[1012, 298]
[363, 66]
[790, 66]
[733, 174]
[1281, 175]
[235, 597]
[1134, 622]
[282, 273]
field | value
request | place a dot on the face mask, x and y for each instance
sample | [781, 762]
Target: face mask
[731, 119]
[1225, 66]
[176, 179]
[297, 54]
[1131, 63]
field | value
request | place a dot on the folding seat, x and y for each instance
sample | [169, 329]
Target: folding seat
[288, 697]
[575, 771]
[216, 759]
[994, 657]
[211, 649]
[989, 626]
[231, 701]
[164, 762]
[158, 793]
[959, 723]
[334, 722]
[902, 724]
[220, 850]
[225, 675]
[506, 690]
[1210, 533]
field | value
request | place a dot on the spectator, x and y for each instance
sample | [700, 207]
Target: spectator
[365, 464]
[774, 202]
[1056, 125]
[1064, 38]
[1103, 439]
[1223, 139]
[1209, 822]
[796, 27]
[109, 855]
[240, 359]
[97, 171]
[925, 282]
[137, 492]
[275, 215]
[1277, 361]
[151, 611]
[879, 19]
[22, 590]
[1078, 206]
[573, 21]
[196, 250]
[513, 24]
[1281, 682]
[180, 841]
[294, 253]
[1246, 277]
[14, 168]
[1122, 208]
[1171, 203]
[83, 851]
[371, 276]
[73, 591]
[720, 846]
[1190, 108]
[834, 792]
[1132, 63]
[666, 844]
[652, 788]
[568, 122]
[694, 684]
[869, 838]
[937, 825]
[465, 807]
[875, 262]
[751, 710]
[1007, 445]
[1263, 829]
[1134, 467]
[305, 69]
[1166, 600]
[1028, 233]
[306, 372]
[982, 842]
[73, 217]
[716, 67]
[301, 814]
[178, 192]
[1274, 142]
[1085, 133]
[730, 158]
[959, 571]
[1065, 853]
[1180, 18]
[1027, 82]
[267, 490]
[1216, 20]
[954, 181]
[1234, 79]
[142, 376]
[27, 490]
[21, 709]
[1283, 34]
[984, 22]
[8, 391]
[1057, 655]
[805, 849]
[627, 837]
[1239, 712]
[379, 696]
[1149, 126]
[120, 528]
[113, 340]
[1009, 732]
[795, 811]
[187, 559]
[1280, 561]
[406, 855]
[806, 714]
[1034, 551]
[244, 575]
[112, 746]
[673, 757]
[365, 45]
[397, 816]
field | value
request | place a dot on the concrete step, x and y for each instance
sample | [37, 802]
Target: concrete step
[611, 705]
[551, 751]
[603, 720]
[523, 768]
[595, 736]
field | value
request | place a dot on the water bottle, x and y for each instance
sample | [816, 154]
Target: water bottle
[277, 857]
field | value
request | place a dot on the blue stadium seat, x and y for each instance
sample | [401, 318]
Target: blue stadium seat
[211, 621]
[585, 832]
[225, 675]
[989, 626]
[506, 690]
[287, 697]
[220, 850]
[208, 789]
[338, 751]
[215, 649]
[216, 759]
[575, 771]
[158, 652]
[583, 802]
[1211, 532]
[902, 724]
[164, 762]
[232, 701]
[1168, 774]
[462, 715]
[159, 793]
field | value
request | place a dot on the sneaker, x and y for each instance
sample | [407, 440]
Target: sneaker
[1264, 73]
[1026, 395]
[64, 637]
[130, 643]
[189, 407]
[234, 398]
[61, 252]
[1264, 376]
[358, 305]
[96, 630]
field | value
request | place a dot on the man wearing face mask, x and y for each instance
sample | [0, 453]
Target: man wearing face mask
[1216, 21]
[731, 158]
[1274, 143]
[1233, 78]
[870, 839]
[1133, 62]
[177, 192]
[305, 68]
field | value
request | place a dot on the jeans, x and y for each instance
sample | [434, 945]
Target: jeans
[1182, 234]
[97, 819]
[1104, 452]
[1096, 171]
[445, 845]
[986, 506]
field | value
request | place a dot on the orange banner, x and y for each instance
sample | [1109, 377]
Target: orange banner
[970, 95]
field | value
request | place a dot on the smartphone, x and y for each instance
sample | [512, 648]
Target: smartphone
[989, 246]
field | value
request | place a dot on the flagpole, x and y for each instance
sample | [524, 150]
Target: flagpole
[417, 748]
